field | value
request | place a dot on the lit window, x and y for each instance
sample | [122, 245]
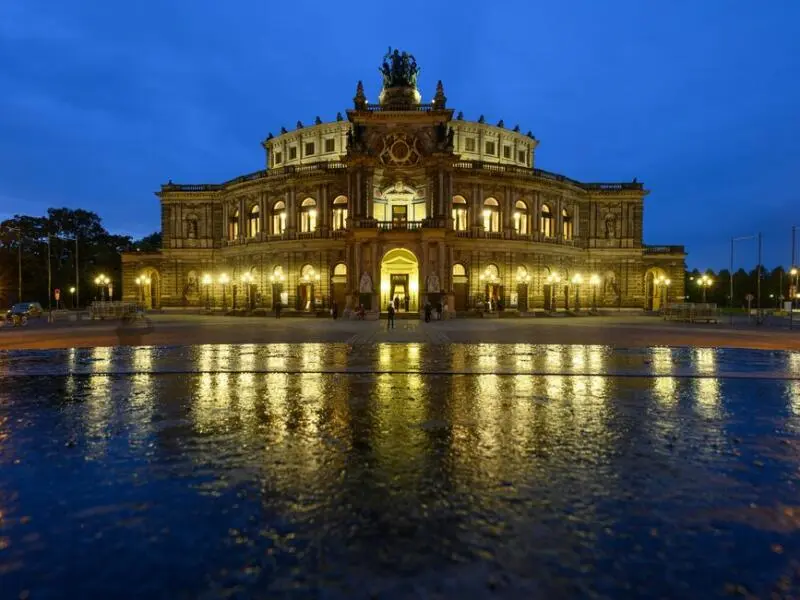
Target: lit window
[491, 215]
[254, 222]
[292, 152]
[567, 224]
[459, 213]
[279, 217]
[330, 145]
[308, 215]
[340, 213]
[233, 225]
[309, 148]
[521, 218]
[469, 144]
[489, 147]
[546, 221]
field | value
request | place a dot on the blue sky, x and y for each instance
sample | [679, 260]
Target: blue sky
[101, 102]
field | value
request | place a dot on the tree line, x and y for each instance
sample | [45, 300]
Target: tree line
[75, 236]
[774, 284]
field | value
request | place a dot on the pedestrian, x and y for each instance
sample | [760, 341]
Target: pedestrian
[335, 311]
[390, 317]
[277, 309]
[439, 310]
[405, 302]
[396, 304]
[427, 311]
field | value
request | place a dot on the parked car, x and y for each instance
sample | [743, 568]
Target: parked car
[32, 310]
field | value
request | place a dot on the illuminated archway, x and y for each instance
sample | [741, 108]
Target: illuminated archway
[400, 280]
[656, 289]
[149, 288]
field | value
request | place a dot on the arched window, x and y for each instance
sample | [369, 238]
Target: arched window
[277, 275]
[521, 218]
[254, 221]
[340, 270]
[279, 217]
[308, 274]
[308, 215]
[459, 270]
[567, 225]
[233, 225]
[459, 213]
[340, 213]
[546, 221]
[491, 215]
[191, 227]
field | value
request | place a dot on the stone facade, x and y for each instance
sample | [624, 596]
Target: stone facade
[403, 200]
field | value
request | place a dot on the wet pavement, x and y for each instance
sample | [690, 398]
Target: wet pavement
[399, 471]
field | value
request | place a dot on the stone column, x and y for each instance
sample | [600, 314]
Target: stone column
[359, 194]
[324, 218]
[440, 209]
[507, 208]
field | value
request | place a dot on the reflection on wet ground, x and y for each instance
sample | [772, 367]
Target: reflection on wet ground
[391, 471]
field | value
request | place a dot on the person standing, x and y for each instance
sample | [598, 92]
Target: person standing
[427, 311]
[396, 304]
[390, 317]
[335, 311]
[277, 309]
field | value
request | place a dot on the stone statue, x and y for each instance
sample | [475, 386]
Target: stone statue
[399, 70]
[516, 128]
[339, 116]
[365, 285]
[460, 116]
[501, 124]
[317, 121]
[432, 283]
[299, 125]
[283, 130]
[611, 228]
[481, 119]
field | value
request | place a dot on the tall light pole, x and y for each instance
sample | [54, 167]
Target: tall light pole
[19, 260]
[735, 239]
[553, 279]
[247, 280]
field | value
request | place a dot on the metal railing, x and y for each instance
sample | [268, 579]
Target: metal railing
[663, 250]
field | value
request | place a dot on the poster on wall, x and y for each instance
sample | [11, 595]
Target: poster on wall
[514, 299]
[284, 298]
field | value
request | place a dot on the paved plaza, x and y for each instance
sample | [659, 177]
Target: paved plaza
[181, 329]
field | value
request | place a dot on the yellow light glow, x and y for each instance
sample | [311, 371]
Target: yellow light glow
[577, 279]
[72, 290]
[206, 279]
[224, 279]
[385, 286]
[594, 279]
[414, 286]
[793, 272]
[667, 281]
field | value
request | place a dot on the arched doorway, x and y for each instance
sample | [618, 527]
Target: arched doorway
[656, 289]
[400, 280]
[522, 279]
[460, 287]
[277, 279]
[150, 289]
[492, 286]
[339, 286]
[307, 286]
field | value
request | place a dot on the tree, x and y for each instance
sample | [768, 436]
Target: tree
[75, 236]
[149, 243]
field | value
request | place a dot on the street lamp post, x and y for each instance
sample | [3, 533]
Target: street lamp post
[667, 283]
[101, 281]
[223, 280]
[577, 280]
[705, 282]
[139, 282]
[553, 279]
[594, 281]
[247, 280]
[206, 281]
[72, 293]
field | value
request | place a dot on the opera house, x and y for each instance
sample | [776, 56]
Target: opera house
[408, 200]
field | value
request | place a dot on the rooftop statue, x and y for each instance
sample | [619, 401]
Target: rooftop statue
[399, 69]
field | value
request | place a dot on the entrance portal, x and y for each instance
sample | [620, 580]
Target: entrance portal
[400, 279]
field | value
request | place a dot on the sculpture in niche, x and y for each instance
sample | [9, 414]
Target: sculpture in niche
[432, 284]
[611, 227]
[610, 287]
[365, 285]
